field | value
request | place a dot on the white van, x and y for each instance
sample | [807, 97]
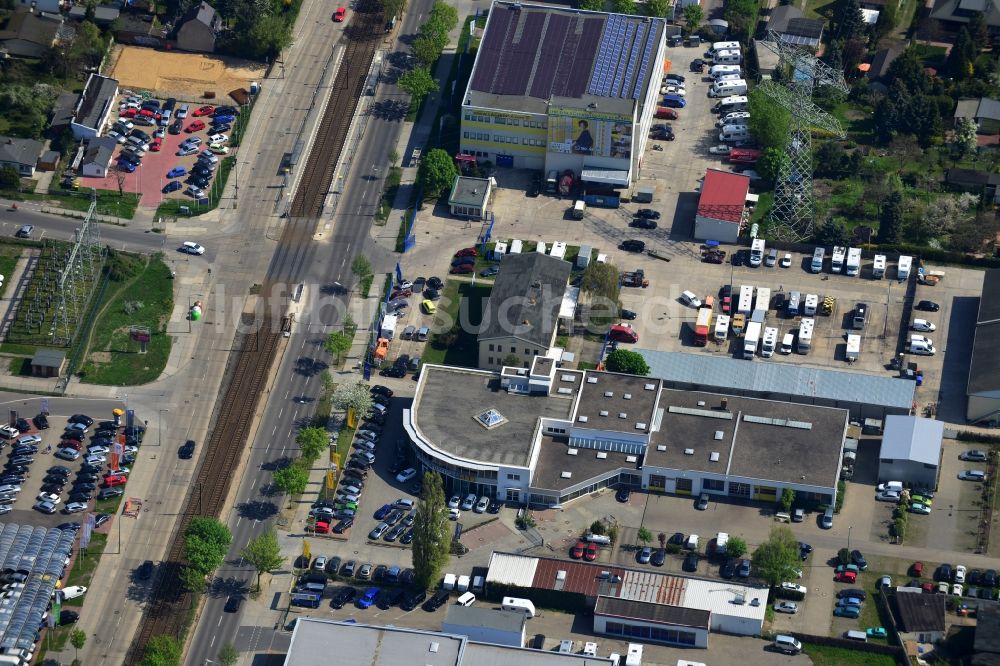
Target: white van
[733, 133]
[720, 70]
[727, 58]
[786, 343]
[787, 644]
[466, 599]
[728, 88]
[520, 605]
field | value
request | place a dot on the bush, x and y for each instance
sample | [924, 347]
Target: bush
[597, 527]
[841, 491]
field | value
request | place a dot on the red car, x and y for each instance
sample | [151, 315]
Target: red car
[71, 444]
[576, 552]
[113, 480]
[203, 111]
[156, 144]
[147, 113]
[401, 293]
[918, 569]
[338, 16]
[592, 550]
[846, 577]
[196, 126]
[467, 252]
[463, 268]
[129, 113]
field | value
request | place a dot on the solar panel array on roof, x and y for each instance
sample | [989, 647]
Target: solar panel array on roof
[644, 67]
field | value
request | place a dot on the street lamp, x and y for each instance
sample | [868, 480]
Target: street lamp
[849, 528]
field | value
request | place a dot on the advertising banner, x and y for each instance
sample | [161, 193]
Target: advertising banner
[589, 132]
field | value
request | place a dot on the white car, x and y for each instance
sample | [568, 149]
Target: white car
[673, 90]
[218, 138]
[192, 248]
[95, 459]
[117, 136]
[349, 497]
[957, 589]
[888, 496]
[74, 507]
[468, 502]
[29, 440]
[454, 502]
[187, 150]
[10, 488]
[453, 514]
[126, 123]
[406, 475]
[923, 325]
[182, 112]
[960, 571]
[974, 455]
[95, 449]
[972, 475]
[721, 149]
[49, 497]
[786, 260]
[789, 607]
[121, 471]
[794, 587]
[195, 192]
[688, 298]
[482, 504]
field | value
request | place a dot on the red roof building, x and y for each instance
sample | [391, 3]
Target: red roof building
[722, 206]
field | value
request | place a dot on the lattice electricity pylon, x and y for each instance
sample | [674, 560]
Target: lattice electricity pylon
[794, 199]
[78, 277]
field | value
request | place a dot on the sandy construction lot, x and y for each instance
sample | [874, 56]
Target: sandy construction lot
[186, 76]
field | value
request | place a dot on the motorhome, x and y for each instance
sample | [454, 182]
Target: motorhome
[903, 268]
[720, 70]
[769, 342]
[837, 259]
[853, 347]
[811, 304]
[763, 300]
[727, 57]
[723, 46]
[817, 261]
[853, 265]
[734, 103]
[728, 88]
[721, 328]
[805, 336]
[745, 304]
[757, 252]
[794, 303]
[878, 267]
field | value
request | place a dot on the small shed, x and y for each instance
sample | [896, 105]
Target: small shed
[48, 363]
[49, 161]
[470, 197]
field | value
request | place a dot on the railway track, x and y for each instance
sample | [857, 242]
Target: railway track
[363, 33]
[250, 363]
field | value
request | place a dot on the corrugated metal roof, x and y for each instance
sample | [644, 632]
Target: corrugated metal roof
[774, 377]
[581, 577]
[654, 587]
[912, 438]
[510, 569]
[721, 596]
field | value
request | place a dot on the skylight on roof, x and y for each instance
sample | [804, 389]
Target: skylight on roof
[491, 419]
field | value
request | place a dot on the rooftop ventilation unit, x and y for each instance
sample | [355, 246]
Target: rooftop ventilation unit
[661, 447]
[701, 403]
[434, 646]
[591, 380]
[601, 455]
[627, 396]
[567, 378]
[572, 452]
[622, 415]
[565, 391]
[640, 426]
[604, 412]
[609, 394]
[650, 387]
[631, 459]
[714, 457]
[566, 475]
[581, 419]
[719, 434]
[689, 452]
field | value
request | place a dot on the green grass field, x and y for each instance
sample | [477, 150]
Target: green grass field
[470, 299]
[823, 655]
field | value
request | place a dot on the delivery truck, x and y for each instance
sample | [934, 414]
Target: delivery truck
[702, 326]
[750, 340]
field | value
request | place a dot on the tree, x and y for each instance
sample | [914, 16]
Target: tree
[418, 83]
[975, 234]
[592, 5]
[628, 362]
[443, 16]
[624, 6]
[853, 53]
[393, 7]
[887, 17]
[393, 156]
[777, 559]
[644, 535]
[206, 541]
[338, 343]
[427, 49]
[436, 173]
[848, 19]
[693, 16]
[228, 655]
[979, 32]
[312, 442]
[773, 162]
[353, 396]
[787, 499]
[891, 219]
[597, 527]
[601, 279]
[961, 56]
[844, 556]
[77, 638]
[193, 580]
[965, 135]
[943, 212]
[270, 35]
[10, 180]
[737, 547]
[431, 533]
[656, 8]
[831, 232]
[162, 650]
[291, 480]
[361, 266]
[263, 553]
[768, 122]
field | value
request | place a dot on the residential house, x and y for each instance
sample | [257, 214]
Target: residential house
[955, 13]
[881, 61]
[62, 113]
[789, 22]
[142, 29]
[46, 6]
[97, 157]
[20, 154]
[103, 14]
[94, 107]
[199, 29]
[918, 617]
[984, 111]
[521, 318]
[30, 35]
[983, 183]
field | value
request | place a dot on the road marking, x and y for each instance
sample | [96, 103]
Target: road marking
[220, 622]
[280, 411]
[239, 520]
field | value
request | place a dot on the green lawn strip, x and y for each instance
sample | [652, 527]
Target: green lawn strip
[8, 259]
[109, 202]
[14, 348]
[389, 191]
[20, 365]
[85, 565]
[465, 351]
[152, 287]
[824, 655]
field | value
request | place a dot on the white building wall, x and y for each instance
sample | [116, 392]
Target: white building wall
[486, 634]
[601, 627]
[738, 626]
[707, 228]
[908, 471]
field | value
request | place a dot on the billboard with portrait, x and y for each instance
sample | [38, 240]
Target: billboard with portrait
[589, 132]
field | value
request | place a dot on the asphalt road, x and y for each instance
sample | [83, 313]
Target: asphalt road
[325, 262]
[63, 228]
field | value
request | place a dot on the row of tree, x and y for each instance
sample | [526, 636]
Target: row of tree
[430, 42]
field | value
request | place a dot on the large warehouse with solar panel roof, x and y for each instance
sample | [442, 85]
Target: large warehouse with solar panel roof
[556, 89]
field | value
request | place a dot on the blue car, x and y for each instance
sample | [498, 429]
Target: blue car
[368, 598]
[172, 186]
[177, 172]
[126, 166]
[847, 611]
[219, 120]
[383, 512]
[674, 102]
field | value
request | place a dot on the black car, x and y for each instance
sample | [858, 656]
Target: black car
[697, 64]
[198, 181]
[389, 597]
[628, 314]
[233, 603]
[81, 418]
[927, 306]
[343, 525]
[738, 258]
[343, 597]
[72, 434]
[990, 578]
[494, 507]
[659, 557]
[219, 128]
[81, 497]
[145, 570]
[59, 469]
[633, 246]
[187, 450]
[859, 559]
[675, 77]
[68, 617]
[435, 602]
[41, 422]
[101, 518]
[434, 282]
[974, 577]
[54, 488]
[407, 537]
[84, 487]
[534, 189]
[690, 562]
[22, 425]
[676, 539]
[623, 495]
[855, 593]
[378, 389]
[393, 371]
[804, 550]
[728, 569]
[89, 469]
[648, 213]
[642, 223]
[86, 478]
[413, 599]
